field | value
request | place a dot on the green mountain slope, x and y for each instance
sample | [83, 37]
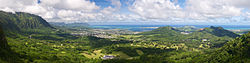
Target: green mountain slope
[163, 33]
[22, 21]
[4, 48]
[170, 31]
[3, 42]
[162, 30]
[219, 31]
[235, 51]
[214, 36]
[175, 34]
[6, 54]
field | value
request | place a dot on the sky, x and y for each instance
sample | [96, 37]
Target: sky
[136, 12]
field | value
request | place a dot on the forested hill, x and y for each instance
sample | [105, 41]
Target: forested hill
[169, 31]
[219, 31]
[22, 21]
[235, 51]
[3, 42]
[5, 52]
[3, 45]
[162, 30]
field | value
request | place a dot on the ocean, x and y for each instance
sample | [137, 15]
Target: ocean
[140, 28]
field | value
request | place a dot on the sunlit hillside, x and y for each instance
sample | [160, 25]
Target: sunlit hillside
[124, 31]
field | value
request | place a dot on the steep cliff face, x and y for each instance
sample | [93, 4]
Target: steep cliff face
[15, 22]
[26, 20]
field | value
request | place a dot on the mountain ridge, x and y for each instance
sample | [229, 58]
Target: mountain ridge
[16, 22]
[217, 31]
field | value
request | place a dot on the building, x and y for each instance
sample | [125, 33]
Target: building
[204, 40]
[105, 57]
[185, 33]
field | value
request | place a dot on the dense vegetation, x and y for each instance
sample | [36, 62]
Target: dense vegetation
[7, 55]
[235, 51]
[22, 22]
[31, 39]
[4, 47]
[209, 37]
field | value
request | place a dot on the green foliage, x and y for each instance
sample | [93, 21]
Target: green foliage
[235, 51]
[20, 22]
[220, 32]
[32, 40]
[6, 54]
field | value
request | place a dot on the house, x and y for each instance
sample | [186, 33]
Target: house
[201, 29]
[185, 33]
[105, 57]
[204, 40]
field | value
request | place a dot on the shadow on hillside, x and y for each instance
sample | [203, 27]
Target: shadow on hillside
[151, 55]
[96, 42]
[221, 32]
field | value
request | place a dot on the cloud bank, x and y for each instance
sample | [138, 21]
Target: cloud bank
[137, 10]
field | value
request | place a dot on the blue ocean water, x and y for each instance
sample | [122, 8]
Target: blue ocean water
[140, 28]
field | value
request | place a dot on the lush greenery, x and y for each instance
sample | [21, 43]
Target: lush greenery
[29, 38]
[235, 51]
[21, 22]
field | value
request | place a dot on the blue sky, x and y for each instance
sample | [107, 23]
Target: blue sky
[107, 3]
[126, 3]
[188, 12]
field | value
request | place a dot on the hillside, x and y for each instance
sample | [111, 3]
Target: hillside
[175, 34]
[6, 54]
[4, 48]
[3, 42]
[219, 31]
[235, 51]
[40, 44]
[18, 21]
[161, 30]
[214, 36]
[163, 33]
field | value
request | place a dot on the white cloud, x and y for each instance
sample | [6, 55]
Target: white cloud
[7, 9]
[108, 10]
[16, 3]
[34, 9]
[66, 10]
[240, 3]
[247, 14]
[60, 10]
[194, 9]
[80, 5]
[156, 9]
[211, 9]
[116, 3]
[67, 15]
[142, 10]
